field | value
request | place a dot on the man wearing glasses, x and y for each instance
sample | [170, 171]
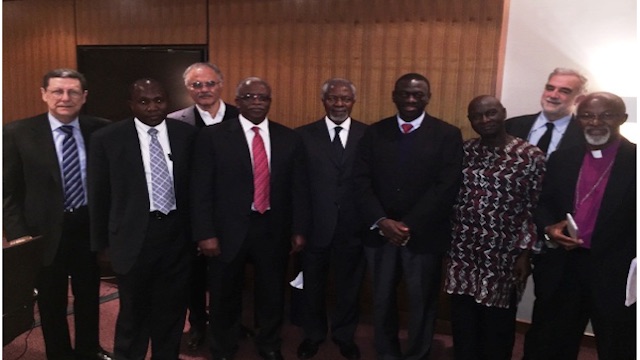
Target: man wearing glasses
[586, 272]
[249, 203]
[45, 193]
[204, 82]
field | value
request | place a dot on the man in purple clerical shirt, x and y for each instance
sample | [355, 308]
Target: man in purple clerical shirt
[585, 276]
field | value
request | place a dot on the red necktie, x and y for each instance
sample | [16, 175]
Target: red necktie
[406, 128]
[260, 173]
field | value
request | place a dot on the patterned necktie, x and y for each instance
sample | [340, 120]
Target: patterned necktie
[161, 183]
[71, 171]
[337, 143]
[406, 128]
[260, 173]
[545, 140]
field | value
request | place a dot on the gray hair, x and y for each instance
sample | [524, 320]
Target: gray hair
[250, 80]
[200, 65]
[335, 82]
[565, 71]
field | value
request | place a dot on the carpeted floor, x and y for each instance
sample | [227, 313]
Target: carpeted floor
[30, 346]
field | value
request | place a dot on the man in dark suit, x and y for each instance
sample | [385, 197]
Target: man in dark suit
[249, 195]
[554, 127]
[204, 83]
[335, 234]
[585, 276]
[138, 187]
[44, 193]
[407, 175]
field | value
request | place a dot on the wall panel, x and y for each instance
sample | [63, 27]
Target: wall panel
[37, 35]
[141, 22]
[297, 45]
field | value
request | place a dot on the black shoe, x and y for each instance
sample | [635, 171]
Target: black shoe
[271, 355]
[349, 350]
[104, 355]
[196, 338]
[307, 349]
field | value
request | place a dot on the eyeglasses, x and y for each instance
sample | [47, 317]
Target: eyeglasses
[208, 84]
[331, 99]
[249, 97]
[479, 115]
[588, 117]
[59, 93]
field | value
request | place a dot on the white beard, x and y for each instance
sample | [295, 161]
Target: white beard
[597, 140]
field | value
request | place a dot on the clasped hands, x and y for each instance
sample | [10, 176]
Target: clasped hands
[396, 232]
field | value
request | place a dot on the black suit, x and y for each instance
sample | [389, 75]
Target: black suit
[521, 127]
[562, 310]
[222, 194]
[335, 235]
[148, 252]
[33, 205]
[198, 279]
[413, 178]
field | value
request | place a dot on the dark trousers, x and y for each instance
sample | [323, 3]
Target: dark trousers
[198, 293]
[559, 319]
[482, 332]
[421, 273]
[269, 258]
[74, 259]
[153, 295]
[347, 262]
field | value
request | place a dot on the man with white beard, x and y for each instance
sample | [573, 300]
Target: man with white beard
[585, 274]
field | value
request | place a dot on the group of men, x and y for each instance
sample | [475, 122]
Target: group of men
[213, 187]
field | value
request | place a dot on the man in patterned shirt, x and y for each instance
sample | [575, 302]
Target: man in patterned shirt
[493, 232]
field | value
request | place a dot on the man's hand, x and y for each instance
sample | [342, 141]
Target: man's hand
[522, 267]
[556, 234]
[395, 231]
[209, 247]
[297, 243]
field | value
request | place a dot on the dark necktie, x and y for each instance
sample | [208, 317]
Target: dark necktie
[337, 143]
[161, 183]
[406, 128]
[545, 140]
[261, 186]
[71, 171]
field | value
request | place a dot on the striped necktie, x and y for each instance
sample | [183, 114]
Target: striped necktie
[261, 186]
[74, 196]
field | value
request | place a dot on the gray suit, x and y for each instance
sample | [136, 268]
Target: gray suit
[191, 116]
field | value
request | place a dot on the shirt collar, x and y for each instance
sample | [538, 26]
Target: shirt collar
[56, 124]
[559, 125]
[248, 125]
[415, 123]
[345, 125]
[142, 127]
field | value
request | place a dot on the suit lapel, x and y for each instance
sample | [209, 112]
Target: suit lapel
[238, 141]
[43, 134]
[321, 132]
[355, 133]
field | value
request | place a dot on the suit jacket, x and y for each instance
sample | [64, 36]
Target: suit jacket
[613, 243]
[33, 195]
[331, 182]
[222, 186]
[119, 198]
[418, 188]
[191, 116]
[521, 126]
